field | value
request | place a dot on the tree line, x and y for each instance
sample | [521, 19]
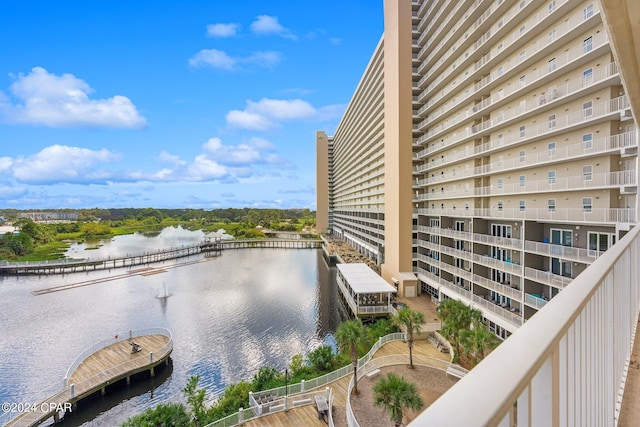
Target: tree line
[38, 241]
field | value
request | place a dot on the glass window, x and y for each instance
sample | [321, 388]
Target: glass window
[500, 206]
[587, 173]
[587, 141]
[522, 180]
[551, 177]
[552, 121]
[551, 36]
[587, 109]
[551, 203]
[522, 131]
[587, 205]
[552, 64]
[522, 205]
[587, 76]
[500, 183]
[522, 155]
[587, 12]
[600, 241]
[587, 45]
[552, 149]
[552, 6]
[523, 29]
[523, 80]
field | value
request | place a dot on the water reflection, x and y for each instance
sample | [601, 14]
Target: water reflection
[228, 315]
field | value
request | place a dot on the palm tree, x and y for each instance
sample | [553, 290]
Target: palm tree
[476, 341]
[411, 321]
[395, 394]
[456, 317]
[351, 336]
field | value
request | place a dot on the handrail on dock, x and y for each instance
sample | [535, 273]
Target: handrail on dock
[99, 345]
[151, 257]
[71, 393]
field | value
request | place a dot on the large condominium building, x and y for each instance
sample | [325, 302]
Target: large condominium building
[489, 152]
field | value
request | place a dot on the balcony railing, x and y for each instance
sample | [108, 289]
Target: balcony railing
[454, 120]
[611, 216]
[567, 365]
[547, 277]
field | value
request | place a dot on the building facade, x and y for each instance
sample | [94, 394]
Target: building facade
[42, 216]
[489, 152]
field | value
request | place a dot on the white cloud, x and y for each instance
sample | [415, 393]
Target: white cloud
[221, 60]
[266, 59]
[265, 114]
[222, 30]
[241, 154]
[11, 191]
[248, 120]
[165, 157]
[5, 164]
[63, 101]
[60, 163]
[267, 25]
[253, 159]
[213, 58]
[205, 169]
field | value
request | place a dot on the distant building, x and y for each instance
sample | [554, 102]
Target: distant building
[49, 216]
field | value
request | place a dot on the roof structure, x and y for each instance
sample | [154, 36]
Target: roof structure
[363, 280]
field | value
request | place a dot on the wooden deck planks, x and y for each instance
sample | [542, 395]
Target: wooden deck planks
[116, 354]
[303, 416]
[90, 375]
[308, 415]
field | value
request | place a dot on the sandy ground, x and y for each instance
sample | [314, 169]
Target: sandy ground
[431, 384]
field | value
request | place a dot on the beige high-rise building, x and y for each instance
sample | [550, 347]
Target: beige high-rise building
[489, 152]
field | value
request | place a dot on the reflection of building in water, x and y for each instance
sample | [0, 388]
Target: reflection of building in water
[330, 310]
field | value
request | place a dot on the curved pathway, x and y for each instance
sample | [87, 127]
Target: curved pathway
[308, 416]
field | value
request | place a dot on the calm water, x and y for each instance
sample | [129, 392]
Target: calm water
[229, 316]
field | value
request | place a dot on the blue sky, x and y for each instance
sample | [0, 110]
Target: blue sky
[167, 104]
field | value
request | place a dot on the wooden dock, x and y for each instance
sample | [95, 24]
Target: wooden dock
[101, 365]
[208, 248]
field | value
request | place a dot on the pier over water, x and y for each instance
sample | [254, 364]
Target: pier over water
[207, 247]
[101, 365]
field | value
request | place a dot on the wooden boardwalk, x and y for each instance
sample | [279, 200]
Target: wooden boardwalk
[308, 415]
[66, 266]
[105, 366]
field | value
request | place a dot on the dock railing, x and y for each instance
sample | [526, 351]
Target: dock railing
[69, 392]
[274, 395]
[107, 342]
[567, 365]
